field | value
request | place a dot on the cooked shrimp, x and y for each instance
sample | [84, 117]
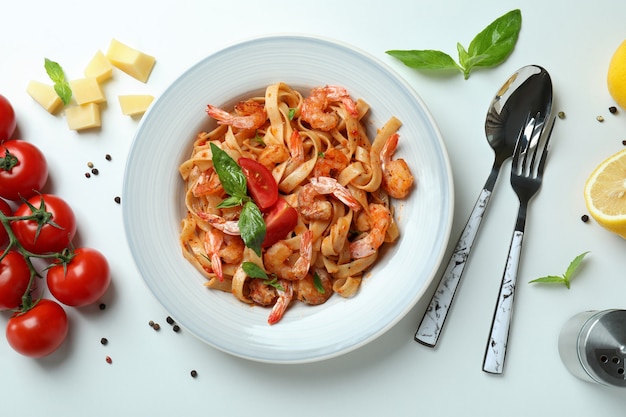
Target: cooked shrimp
[312, 204]
[397, 178]
[380, 219]
[208, 184]
[279, 296]
[282, 302]
[272, 155]
[232, 250]
[296, 147]
[315, 107]
[331, 163]
[327, 185]
[212, 243]
[230, 227]
[261, 293]
[308, 293]
[248, 115]
[277, 258]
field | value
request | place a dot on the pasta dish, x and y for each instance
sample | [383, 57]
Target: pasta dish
[288, 199]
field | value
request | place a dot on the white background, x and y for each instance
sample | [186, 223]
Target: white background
[150, 373]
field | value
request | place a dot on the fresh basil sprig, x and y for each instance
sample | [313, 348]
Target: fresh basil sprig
[566, 277]
[251, 223]
[488, 49]
[61, 86]
[254, 271]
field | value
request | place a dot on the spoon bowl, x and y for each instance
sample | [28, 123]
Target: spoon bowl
[528, 90]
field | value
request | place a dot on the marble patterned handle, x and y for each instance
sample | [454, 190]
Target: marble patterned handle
[496, 345]
[435, 316]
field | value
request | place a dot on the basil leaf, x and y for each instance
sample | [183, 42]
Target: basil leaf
[253, 270]
[489, 48]
[550, 279]
[274, 283]
[567, 276]
[573, 266]
[56, 74]
[231, 201]
[54, 70]
[229, 172]
[252, 227]
[317, 283]
[494, 43]
[425, 59]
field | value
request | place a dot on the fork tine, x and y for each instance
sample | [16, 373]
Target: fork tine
[544, 155]
[520, 144]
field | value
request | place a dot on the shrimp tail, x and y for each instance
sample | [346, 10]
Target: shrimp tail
[284, 299]
[230, 227]
[213, 243]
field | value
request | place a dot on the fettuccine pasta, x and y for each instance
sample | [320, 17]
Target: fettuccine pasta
[339, 181]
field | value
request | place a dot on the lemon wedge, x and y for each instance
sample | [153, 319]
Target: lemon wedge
[605, 193]
[616, 76]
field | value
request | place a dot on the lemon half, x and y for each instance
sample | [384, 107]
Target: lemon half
[616, 76]
[605, 193]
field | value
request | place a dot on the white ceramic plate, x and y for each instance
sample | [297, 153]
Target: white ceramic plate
[153, 201]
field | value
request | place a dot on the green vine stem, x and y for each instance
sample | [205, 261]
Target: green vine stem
[42, 218]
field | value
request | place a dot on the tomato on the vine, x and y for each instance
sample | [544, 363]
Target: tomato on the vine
[7, 119]
[261, 185]
[82, 281]
[23, 170]
[279, 221]
[5, 208]
[14, 280]
[54, 228]
[39, 331]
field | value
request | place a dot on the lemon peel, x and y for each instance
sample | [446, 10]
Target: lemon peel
[616, 75]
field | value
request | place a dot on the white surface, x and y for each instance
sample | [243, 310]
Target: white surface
[150, 371]
[401, 274]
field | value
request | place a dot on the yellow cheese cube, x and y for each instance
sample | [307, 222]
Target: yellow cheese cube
[99, 68]
[134, 105]
[133, 62]
[84, 116]
[45, 95]
[87, 90]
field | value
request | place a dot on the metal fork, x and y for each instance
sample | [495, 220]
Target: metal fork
[526, 176]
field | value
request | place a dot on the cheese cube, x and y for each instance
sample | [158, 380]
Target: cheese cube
[133, 62]
[135, 105]
[87, 90]
[45, 95]
[84, 116]
[99, 68]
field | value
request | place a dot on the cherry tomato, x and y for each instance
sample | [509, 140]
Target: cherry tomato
[7, 119]
[23, 170]
[279, 221]
[39, 331]
[6, 209]
[82, 281]
[261, 185]
[14, 279]
[52, 237]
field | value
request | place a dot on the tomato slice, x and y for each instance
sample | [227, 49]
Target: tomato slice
[279, 221]
[261, 185]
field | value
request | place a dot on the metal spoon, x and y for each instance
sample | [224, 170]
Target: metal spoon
[527, 90]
